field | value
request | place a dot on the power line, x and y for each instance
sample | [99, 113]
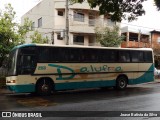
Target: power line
[138, 26]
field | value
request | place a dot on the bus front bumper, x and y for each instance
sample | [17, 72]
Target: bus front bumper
[21, 88]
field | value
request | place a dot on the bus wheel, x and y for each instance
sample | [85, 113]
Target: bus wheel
[121, 82]
[44, 87]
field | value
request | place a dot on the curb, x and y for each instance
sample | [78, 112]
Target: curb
[155, 81]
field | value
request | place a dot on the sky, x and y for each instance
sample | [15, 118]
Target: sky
[150, 21]
[20, 6]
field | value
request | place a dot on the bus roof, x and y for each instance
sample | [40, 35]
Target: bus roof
[23, 45]
[77, 46]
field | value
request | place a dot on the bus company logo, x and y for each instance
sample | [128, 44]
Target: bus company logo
[6, 114]
[21, 114]
[89, 69]
[59, 67]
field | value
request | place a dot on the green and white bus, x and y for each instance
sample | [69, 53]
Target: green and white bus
[44, 68]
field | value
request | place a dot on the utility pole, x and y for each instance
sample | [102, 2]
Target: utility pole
[52, 37]
[67, 23]
[139, 38]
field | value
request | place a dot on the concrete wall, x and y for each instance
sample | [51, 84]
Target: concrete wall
[53, 24]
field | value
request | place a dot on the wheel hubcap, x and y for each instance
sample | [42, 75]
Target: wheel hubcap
[45, 88]
[122, 83]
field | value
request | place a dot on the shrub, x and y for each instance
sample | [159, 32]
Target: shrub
[2, 81]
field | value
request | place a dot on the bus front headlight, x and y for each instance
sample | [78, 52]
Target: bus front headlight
[11, 81]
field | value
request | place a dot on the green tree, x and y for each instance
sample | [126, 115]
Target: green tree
[23, 29]
[37, 38]
[108, 37]
[157, 3]
[118, 9]
[10, 36]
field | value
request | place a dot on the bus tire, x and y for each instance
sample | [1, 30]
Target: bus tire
[121, 82]
[44, 87]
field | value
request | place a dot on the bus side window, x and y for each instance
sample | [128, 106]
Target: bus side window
[87, 55]
[95, 55]
[53, 54]
[140, 56]
[74, 55]
[82, 56]
[134, 56]
[43, 54]
[124, 56]
[148, 56]
[113, 56]
[65, 55]
[103, 56]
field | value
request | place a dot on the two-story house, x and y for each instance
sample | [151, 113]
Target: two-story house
[140, 38]
[48, 17]
[155, 37]
[135, 38]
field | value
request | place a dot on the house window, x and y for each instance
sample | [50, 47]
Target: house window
[92, 19]
[33, 26]
[60, 13]
[158, 40]
[78, 17]
[59, 37]
[78, 39]
[40, 22]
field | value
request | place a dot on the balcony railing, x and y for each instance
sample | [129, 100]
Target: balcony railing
[78, 43]
[134, 44]
[91, 22]
[94, 44]
[89, 44]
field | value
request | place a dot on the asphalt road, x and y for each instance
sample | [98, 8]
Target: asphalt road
[143, 97]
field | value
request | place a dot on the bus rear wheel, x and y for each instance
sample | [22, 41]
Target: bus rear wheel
[121, 83]
[44, 87]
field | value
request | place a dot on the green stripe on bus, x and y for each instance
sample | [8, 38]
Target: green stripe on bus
[146, 77]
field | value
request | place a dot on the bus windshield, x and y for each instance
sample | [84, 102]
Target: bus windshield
[12, 63]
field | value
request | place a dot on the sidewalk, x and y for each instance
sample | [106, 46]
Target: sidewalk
[157, 80]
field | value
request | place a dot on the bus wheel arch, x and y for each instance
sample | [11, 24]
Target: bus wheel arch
[44, 86]
[121, 81]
